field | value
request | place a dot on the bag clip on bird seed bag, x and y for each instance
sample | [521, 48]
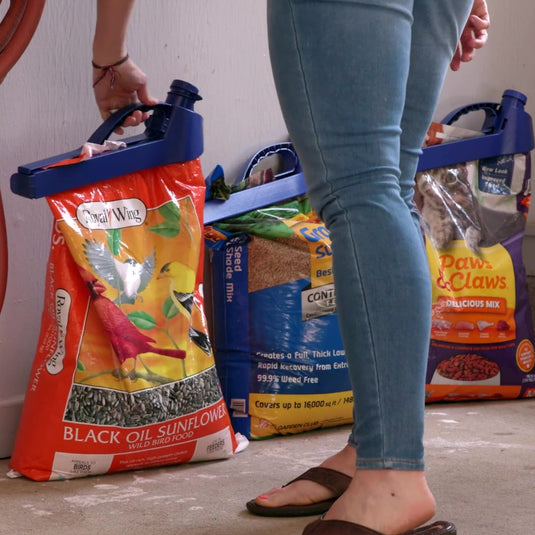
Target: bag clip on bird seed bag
[474, 215]
[124, 376]
[278, 347]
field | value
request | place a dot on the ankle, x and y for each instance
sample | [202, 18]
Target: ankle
[389, 501]
[343, 461]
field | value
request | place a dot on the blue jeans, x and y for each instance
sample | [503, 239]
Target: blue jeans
[358, 82]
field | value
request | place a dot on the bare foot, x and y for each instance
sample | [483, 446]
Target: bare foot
[388, 501]
[305, 492]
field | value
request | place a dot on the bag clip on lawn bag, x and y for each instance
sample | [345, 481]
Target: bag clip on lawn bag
[124, 375]
[278, 349]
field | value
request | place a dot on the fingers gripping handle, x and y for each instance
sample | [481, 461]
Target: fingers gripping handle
[115, 120]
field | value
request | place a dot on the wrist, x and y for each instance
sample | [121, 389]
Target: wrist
[108, 56]
[101, 71]
[108, 66]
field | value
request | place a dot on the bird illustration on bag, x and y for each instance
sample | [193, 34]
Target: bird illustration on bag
[181, 286]
[128, 277]
[126, 340]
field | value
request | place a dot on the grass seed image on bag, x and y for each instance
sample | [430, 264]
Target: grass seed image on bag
[124, 375]
[278, 346]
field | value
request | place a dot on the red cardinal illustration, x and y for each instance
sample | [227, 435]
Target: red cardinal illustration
[125, 338]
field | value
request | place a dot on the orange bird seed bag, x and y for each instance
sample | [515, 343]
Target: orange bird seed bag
[124, 375]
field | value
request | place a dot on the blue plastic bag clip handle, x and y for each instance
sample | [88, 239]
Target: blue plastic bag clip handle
[116, 119]
[286, 151]
[490, 109]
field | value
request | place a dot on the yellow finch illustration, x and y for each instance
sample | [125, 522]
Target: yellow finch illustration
[181, 286]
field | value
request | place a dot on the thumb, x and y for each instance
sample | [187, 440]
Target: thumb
[144, 96]
[456, 60]
[478, 23]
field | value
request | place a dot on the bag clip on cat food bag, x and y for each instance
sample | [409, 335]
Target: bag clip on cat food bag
[474, 214]
[124, 376]
[278, 351]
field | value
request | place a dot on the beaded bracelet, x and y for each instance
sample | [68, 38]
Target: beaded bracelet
[108, 69]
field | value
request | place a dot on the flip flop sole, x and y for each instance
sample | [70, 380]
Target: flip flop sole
[335, 481]
[317, 508]
[341, 527]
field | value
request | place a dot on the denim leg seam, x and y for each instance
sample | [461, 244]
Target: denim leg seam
[305, 87]
[328, 181]
[370, 330]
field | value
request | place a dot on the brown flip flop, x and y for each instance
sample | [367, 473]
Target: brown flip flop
[341, 527]
[335, 481]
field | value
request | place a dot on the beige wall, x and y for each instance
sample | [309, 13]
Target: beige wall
[46, 108]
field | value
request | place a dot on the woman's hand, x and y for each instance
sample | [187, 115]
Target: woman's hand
[117, 80]
[474, 35]
[119, 86]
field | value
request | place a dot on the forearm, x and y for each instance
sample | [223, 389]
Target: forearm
[109, 42]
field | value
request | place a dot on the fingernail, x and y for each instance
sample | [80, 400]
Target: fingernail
[262, 497]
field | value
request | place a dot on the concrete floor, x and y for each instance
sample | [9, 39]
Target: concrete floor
[481, 467]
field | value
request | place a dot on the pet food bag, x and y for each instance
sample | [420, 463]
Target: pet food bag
[474, 215]
[278, 348]
[124, 375]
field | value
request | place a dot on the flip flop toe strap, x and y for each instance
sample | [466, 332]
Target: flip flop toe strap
[335, 481]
